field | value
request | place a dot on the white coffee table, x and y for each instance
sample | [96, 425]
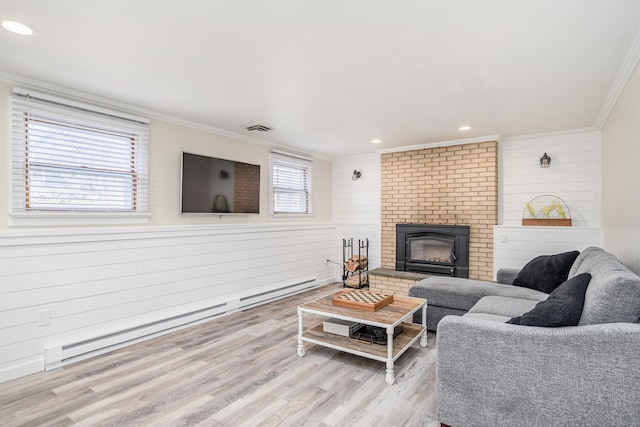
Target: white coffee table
[388, 317]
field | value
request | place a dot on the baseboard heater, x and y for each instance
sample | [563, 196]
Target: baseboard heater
[81, 350]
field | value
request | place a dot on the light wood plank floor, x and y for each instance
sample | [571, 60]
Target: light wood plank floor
[237, 370]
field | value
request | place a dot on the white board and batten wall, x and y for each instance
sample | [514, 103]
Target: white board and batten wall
[61, 287]
[573, 176]
[357, 206]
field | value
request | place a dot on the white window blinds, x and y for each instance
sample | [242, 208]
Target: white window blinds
[291, 184]
[71, 157]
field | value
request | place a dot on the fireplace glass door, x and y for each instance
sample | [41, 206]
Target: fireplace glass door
[429, 249]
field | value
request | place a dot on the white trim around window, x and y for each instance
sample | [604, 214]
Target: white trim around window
[291, 185]
[76, 164]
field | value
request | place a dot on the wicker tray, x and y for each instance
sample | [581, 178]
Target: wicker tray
[373, 334]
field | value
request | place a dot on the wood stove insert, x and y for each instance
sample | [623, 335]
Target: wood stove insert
[433, 249]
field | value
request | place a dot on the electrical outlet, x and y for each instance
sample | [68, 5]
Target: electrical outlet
[44, 317]
[504, 238]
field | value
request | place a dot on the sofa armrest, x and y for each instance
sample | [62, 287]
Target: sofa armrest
[507, 275]
[497, 374]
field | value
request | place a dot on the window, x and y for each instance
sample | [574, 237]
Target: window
[70, 159]
[291, 184]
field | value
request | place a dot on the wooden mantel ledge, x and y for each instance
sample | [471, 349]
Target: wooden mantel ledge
[386, 272]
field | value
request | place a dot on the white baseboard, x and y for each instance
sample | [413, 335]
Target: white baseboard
[22, 369]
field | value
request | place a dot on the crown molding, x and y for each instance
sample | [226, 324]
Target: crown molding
[442, 144]
[629, 64]
[566, 132]
[133, 109]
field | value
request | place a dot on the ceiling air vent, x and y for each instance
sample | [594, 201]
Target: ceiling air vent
[258, 128]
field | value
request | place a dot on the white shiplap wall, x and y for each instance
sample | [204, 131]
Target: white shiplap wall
[97, 282]
[514, 246]
[356, 204]
[574, 174]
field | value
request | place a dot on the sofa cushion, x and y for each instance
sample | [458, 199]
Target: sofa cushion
[614, 292]
[546, 272]
[503, 306]
[562, 308]
[462, 294]
[486, 316]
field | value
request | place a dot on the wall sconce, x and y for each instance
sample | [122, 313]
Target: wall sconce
[545, 161]
[356, 175]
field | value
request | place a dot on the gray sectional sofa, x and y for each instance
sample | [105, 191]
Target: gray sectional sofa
[491, 373]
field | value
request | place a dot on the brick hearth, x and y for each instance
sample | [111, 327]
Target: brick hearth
[386, 281]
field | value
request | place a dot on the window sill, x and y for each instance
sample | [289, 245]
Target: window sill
[52, 219]
[280, 217]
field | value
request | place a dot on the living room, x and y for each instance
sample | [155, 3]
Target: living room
[66, 281]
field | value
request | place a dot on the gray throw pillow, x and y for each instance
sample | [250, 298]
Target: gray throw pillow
[546, 272]
[562, 308]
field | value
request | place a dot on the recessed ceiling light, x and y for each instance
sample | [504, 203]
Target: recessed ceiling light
[465, 127]
[376, 141]
[18, 28]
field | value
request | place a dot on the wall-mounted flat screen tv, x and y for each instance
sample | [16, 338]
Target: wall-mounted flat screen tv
[212, 185]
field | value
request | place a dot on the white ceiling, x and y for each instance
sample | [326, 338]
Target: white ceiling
[331, 75]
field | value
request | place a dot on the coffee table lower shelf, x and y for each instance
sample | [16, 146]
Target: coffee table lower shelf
[382, 353]
[410, 334]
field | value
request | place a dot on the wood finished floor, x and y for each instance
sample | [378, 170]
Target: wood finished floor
[237, 370]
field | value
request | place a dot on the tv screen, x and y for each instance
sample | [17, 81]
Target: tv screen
[212, 185]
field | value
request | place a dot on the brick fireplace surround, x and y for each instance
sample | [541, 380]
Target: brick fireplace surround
[444, 185]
